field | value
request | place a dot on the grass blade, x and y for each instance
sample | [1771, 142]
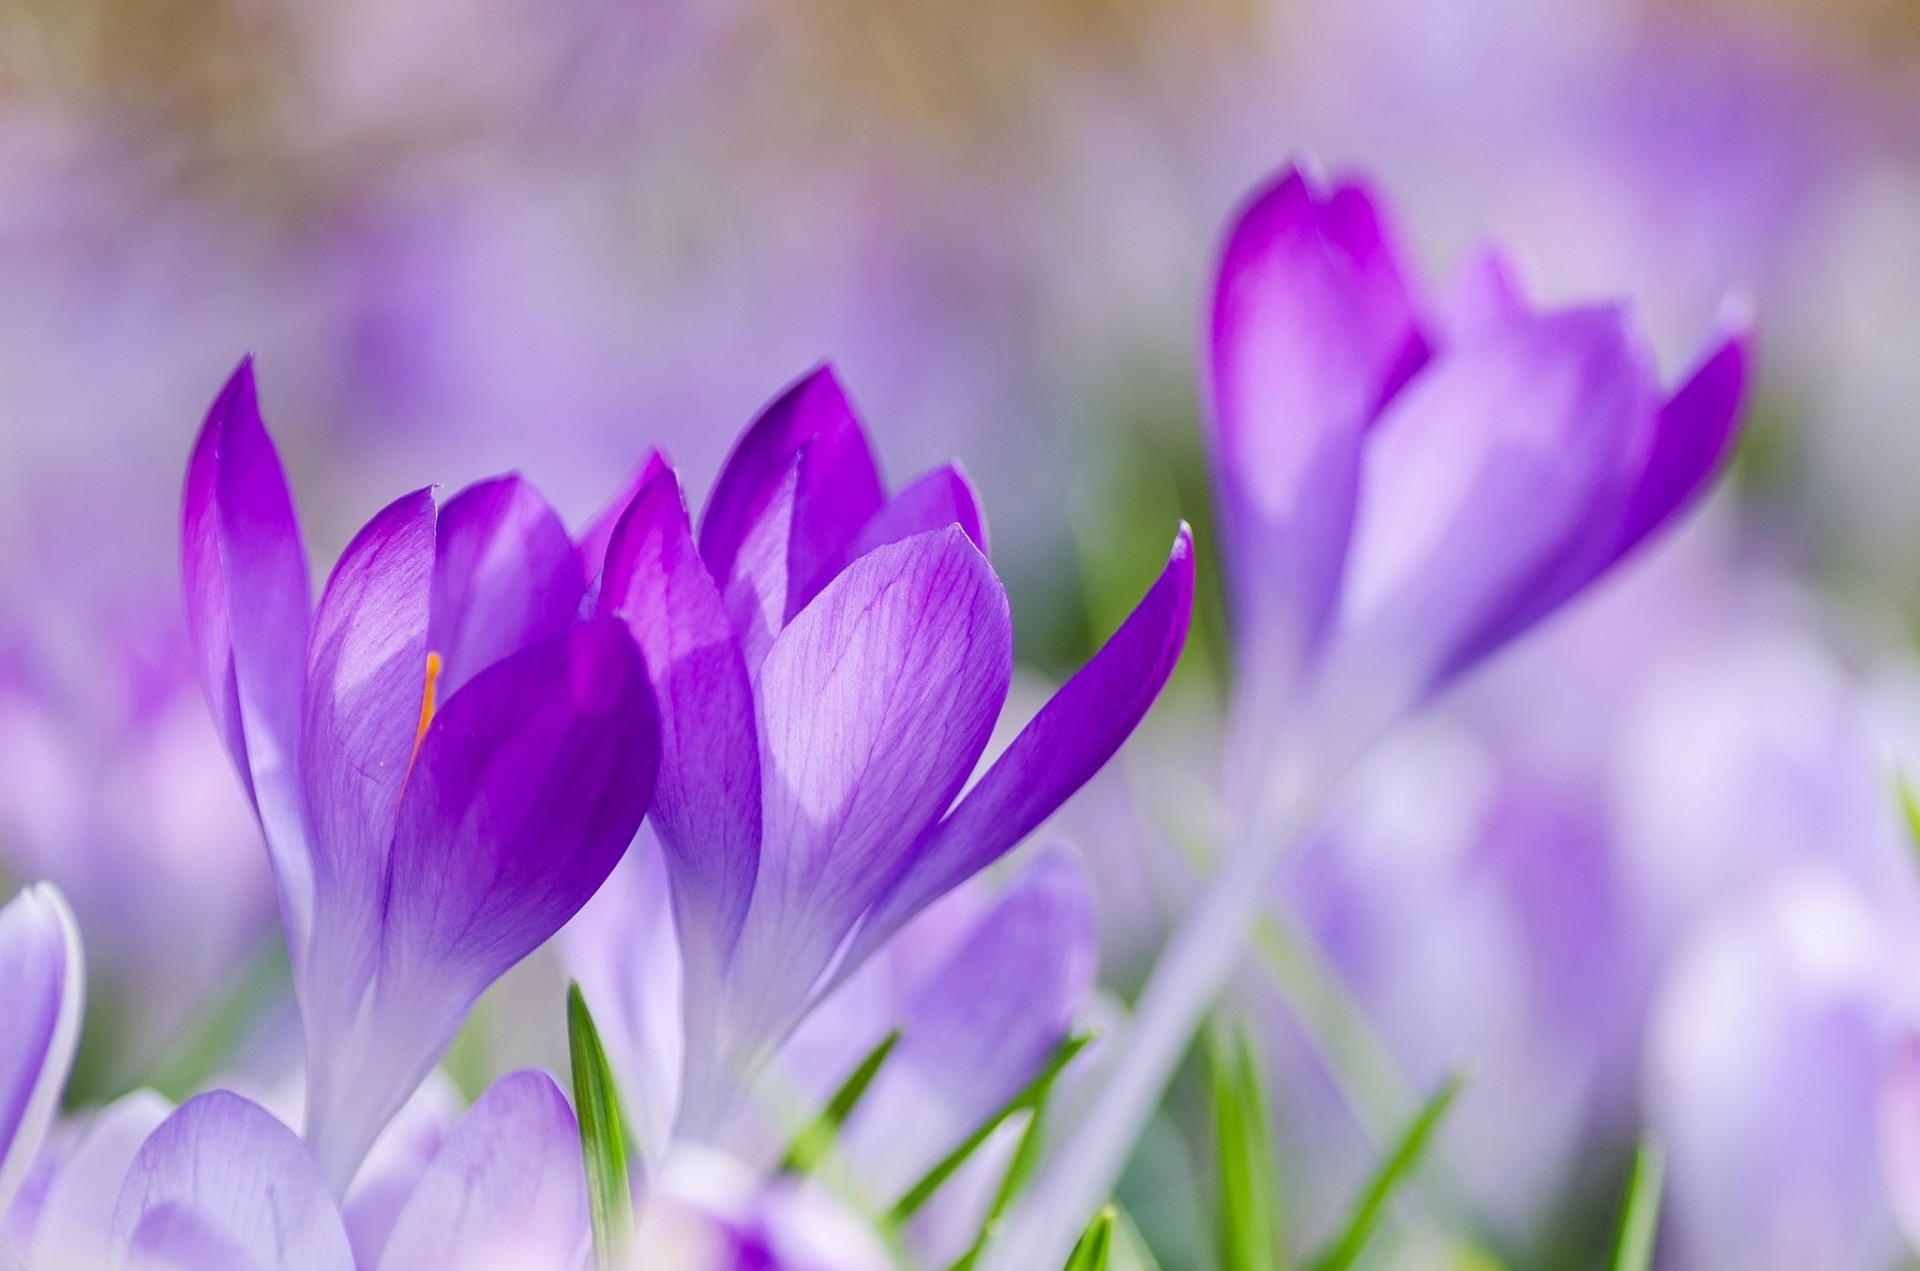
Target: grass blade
[812, 1144]
[1249, 1212]
[1640, 1210]
[603, 1139]
[1096, 1244]
[1393, 1172]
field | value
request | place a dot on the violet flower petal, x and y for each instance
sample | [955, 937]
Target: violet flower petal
[934, 501]
[506, 575]
[876, 703]
[42, 983]
[1483, 473]
[1696, 430]
[1310, 330]
[981, 1027]
[248, 602]
[837, 491]
[222, 1183]
[1069, 740]
[76, 1214]
[507, 1189]
[707, 801]
[395, 1163]
[597, 534]
[1900, 1136]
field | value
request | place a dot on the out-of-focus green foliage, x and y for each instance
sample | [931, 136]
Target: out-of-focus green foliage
[1250, 1209]
[603, 1138]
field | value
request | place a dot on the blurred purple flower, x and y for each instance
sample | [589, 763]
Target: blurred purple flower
[118, 798]
[708, 1212]
[446, 761]
[1406, 482]
[829, 663]
[41, 991]
[222, 1184]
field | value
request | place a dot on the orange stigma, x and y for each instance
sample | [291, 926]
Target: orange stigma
[429, 700]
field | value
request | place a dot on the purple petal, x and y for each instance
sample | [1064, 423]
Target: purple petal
[875, 705]
[366, 681]
[506, 575]
[1071, 738]
[248, 604]
[529, 784]
[1310, 331]
[394, 1165]
[76, 1214]
[1486, 482]
[707, 801]
[982, 1026]
[837, 488]
[1900, 1136]
[756, 590]
[221, 1183]
[506, 1190]
[936, 500]
[1696, 430]
[41, 992]
[598, 534]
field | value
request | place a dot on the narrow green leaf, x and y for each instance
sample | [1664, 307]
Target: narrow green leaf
[1249, 1186]
[1393, 1172]
[603, 1139]
[1030, 1098]
[1096, 1244]
[812, 1144]
[1640, 1209]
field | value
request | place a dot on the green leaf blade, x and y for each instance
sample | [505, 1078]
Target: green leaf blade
[603, 1140]
[1096, 1244]
[1249, 1211]
[811, 1145]
[1640, 1209]
[1393, 1172]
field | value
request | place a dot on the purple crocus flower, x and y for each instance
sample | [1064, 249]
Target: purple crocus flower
[829, 663]
[41, 990]
[445, 760]
[1409, 482]
[223, 1184]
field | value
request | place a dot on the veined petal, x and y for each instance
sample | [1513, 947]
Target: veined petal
[41, 998]
[75, 1222]
[981, 1027]
[506, 1191]
[529, 784]
[506, 575]
[1071, 738]
[1481, 480]
[222, 1183]
[394, 1165]
[248, 604]
[707, 800]
[936, 500]
[366, 678]
[1311, 330]
[836, 491]
[597, 534]
[876, 702]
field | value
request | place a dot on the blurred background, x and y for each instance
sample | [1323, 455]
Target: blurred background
[1648, 871]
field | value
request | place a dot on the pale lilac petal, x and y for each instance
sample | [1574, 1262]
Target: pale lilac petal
[838, 488]
[936, 500]
[1072, 737]
[622, 949]
[1486, 483]
[41, 999]
[76, 1214]
[1900, 1136]
[707, 800]
[248, 604]
[1486, 293]
[760, 579]
[394, 1165]
[507, 1189]
[366, 682]
[529, 784]
[876, 703]
[223, 1183]
[981, 1028]
[710, 1213]
[506, 575]
[1310, 331]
